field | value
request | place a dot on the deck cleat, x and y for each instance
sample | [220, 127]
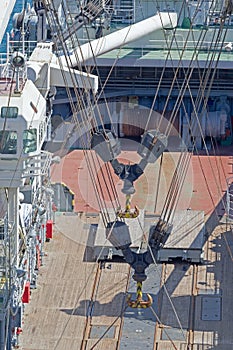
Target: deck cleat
[139, 303]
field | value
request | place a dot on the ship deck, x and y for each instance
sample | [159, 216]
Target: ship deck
[77, 308]
[81, 304]
[204, 186]
[148, 57]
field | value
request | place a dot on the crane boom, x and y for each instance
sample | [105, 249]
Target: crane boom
[122, 37]
[6, 9]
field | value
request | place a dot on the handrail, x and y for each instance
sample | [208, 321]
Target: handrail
[229, 204]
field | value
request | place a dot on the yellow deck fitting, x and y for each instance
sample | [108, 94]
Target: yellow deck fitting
[128, 214]
[139, 302]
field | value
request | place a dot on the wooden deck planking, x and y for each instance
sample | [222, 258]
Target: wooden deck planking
[105, 344]
[167, 345]
[56, 314]
[73, 253]
[109, 303]
[178, 284]
[215, 280]
[110, 294]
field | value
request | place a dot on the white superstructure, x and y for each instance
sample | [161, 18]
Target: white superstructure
[6, 9]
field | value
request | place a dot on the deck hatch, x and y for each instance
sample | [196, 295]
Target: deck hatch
[172, 333]
[211, 308]
[102, 331]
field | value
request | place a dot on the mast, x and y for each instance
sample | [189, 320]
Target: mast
[41, 27]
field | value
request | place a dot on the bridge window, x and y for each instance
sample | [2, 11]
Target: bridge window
[8, 142]
[29, 140]
[9, 112]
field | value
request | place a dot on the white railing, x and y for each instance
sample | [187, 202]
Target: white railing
[37, 165]
[229, 207]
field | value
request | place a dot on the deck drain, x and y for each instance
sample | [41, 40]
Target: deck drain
[102, 331]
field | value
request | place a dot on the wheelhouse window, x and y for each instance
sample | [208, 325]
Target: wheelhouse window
[8, 142]
[29, 140]
[9, 112]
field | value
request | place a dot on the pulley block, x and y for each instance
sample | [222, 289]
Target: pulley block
[106, 145]
[152, 145]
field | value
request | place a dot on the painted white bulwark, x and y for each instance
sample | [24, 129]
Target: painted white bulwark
[6, 9]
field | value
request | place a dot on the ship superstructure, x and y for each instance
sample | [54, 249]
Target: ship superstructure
[24, 166]
[27, 90]
[138, 75]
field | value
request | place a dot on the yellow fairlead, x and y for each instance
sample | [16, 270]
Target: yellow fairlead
[139, 302]
[127, 214]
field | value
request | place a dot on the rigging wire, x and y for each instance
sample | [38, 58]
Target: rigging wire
[107, 166]
[164, 286]
[209, 191]
[171, 124]
[88, 157]
[200, 128]
[173, 114]
[111, 184]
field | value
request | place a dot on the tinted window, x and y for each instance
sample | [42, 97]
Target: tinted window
[9, 112]
[8, 142]
[29, 140]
